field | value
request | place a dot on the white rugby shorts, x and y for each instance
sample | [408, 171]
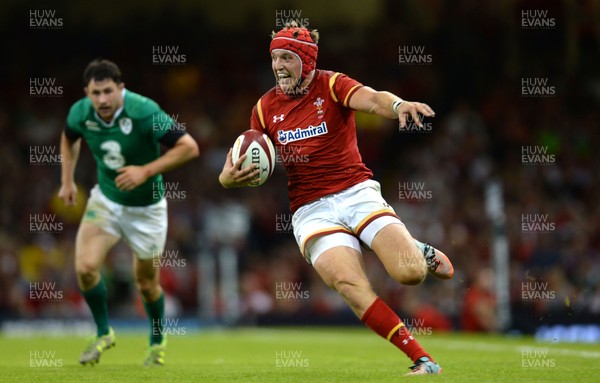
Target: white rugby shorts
[342, 219]
[144, 228]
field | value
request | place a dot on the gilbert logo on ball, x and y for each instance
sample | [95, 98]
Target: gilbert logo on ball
[259, 150]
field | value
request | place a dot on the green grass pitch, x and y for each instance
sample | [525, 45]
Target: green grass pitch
[299, 355]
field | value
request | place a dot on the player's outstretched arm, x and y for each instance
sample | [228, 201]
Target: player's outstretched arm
[132, 176]
[388, 105]
[69, 151]
[232, 176]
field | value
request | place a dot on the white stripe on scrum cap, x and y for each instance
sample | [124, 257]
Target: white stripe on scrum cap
[296, 40]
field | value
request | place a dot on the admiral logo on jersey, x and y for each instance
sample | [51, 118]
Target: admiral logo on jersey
[287, 136]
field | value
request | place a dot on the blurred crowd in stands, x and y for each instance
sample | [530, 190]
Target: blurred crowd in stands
[480, 55]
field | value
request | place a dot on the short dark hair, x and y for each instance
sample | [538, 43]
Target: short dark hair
[101, 69]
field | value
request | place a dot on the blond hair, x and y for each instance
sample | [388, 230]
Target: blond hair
[314, 34]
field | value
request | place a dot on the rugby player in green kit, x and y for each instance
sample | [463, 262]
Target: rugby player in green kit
[120, 130]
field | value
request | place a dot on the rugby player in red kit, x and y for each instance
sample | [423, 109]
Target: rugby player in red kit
[336, 204]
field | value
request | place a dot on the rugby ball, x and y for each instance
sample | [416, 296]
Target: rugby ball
[260, 150]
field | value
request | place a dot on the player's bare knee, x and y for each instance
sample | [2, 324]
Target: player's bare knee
[148, 287]
[348, 287]
[146, 291]
[87, 272]
[88, 280]
[410, 269]
[412, 275]
[343, 287]
[408, 273]
[144, 286]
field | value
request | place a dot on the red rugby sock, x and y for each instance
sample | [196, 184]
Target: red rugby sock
[380, 318]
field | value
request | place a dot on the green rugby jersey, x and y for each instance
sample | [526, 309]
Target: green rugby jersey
[132, 138]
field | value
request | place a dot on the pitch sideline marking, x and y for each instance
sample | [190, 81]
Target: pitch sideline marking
[452, 344]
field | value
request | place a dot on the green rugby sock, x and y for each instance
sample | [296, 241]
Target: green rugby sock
[156, 314]
[96, 298]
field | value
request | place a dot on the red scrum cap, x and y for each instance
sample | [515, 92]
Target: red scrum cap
[298, 41]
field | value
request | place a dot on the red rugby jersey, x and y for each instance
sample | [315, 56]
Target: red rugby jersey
[315, 136]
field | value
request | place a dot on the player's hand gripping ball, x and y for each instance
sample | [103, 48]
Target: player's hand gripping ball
[260, 151]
